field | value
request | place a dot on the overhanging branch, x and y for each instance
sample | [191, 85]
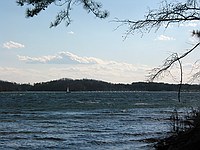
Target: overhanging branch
[164, 16]
[156, 72]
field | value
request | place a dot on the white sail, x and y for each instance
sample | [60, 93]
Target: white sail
[67, 90]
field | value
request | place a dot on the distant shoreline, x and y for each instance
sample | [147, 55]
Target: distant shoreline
[97, 92]
[95, 85]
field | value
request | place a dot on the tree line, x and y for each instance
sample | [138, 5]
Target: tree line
[93, 85]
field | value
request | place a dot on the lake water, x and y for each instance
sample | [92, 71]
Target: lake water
[88, 120]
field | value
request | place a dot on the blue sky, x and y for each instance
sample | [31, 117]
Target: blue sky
[90, 48]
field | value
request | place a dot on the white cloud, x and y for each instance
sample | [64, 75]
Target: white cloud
[74, 66]
[71, 32]
[72, 59]
[83, 67]
[62, 58]
[43, 59]
[77, 67]
[77, 59]
[107, 73]
[114, 73]
[11, 44]
[164, 38]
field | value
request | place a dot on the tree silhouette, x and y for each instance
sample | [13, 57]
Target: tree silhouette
[34, 7]
[166, 14]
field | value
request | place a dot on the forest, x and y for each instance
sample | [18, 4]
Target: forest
[94, 85]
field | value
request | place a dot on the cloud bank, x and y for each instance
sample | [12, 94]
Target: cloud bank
[73, 66]
[116, 74]
[11, 45]
[69, 65]
[66, 58]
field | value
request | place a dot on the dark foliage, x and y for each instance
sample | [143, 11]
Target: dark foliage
[93, 85]
[12, 86]
[34, 7]
[185, 139]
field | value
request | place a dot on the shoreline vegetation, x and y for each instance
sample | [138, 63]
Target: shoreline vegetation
[94, 85]
[186, 133]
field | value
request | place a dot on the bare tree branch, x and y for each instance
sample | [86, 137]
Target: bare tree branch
[168, 63]
[172, 59]
[196, 75]
[167, 14]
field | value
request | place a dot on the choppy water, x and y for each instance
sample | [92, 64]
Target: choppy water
[87, 120]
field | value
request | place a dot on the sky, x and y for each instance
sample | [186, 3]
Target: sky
[90, 48]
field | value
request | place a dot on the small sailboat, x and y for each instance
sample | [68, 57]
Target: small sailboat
[67, 90]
